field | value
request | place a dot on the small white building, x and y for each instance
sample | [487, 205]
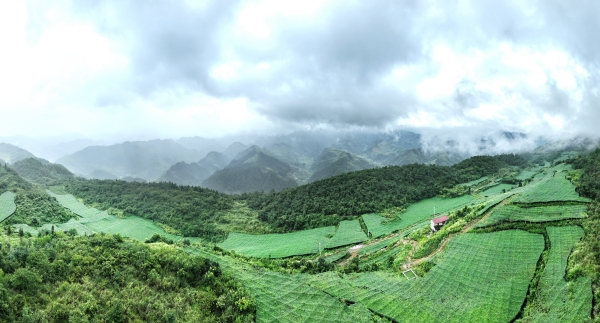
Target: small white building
[438, 223]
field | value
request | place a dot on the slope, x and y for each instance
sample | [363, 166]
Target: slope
[252, 170]
[333, 161]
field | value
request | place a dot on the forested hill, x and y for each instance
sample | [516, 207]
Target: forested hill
[328, 201]
[192, 211]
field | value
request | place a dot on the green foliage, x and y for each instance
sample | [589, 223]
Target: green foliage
[367, 191]
[497, 189]
[41, 171]
[193, 211]
[104, 278]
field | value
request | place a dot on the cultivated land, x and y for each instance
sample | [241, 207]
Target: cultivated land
[513, 213]
[553, 187]
[558, 300]
[279, 245]
[7, 205]
[489, 269]
[479, 278]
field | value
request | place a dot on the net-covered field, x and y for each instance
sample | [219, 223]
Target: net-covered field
[132, 226]
[278, 245]
[479, 278]
[93, 220]
[289, 298]
[7, 205]
[70, 202]
[554, 187]
[415, 213]
[557, 300]
[475, 182]
[534, 214]
[526, 174]
[348, 232]
[498, 189]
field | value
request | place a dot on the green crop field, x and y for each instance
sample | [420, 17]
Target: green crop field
[70, 202]
[279, 245]
[534, 214]
[497, 189]
[348, 232]
[557, 300]
[7, 205]
[377, 246]
[475, 182]
[552, 188]
[132, 226]
[478, 278]
[336, 256]
[415, 213]
[526, 174]
[289, 298]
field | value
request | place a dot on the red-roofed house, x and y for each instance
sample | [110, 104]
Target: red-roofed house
[437, 223]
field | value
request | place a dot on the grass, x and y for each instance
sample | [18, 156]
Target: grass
[479, 278]
[556, 299]
[348, 232]
[7, 205]
[415, 213]
[534, 214]
[279, 245]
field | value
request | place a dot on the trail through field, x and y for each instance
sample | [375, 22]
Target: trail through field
[445, 241]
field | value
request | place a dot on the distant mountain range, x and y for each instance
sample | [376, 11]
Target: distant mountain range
[263, 163]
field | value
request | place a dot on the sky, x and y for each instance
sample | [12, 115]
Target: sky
[167, 69]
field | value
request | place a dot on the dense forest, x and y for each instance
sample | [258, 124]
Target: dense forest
[193, 211]
[105, 278]
[41, 171]
[328, 201]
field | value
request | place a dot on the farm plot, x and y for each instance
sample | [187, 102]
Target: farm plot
[416, 212]
[288, 298]
[552, 188]
[534, 214]
[71, 224]
[70, 202]
[133, 227]
[526, 174]
[557, 300]
[348, 232]
[279, 245]
[7, 205]
[497, 189]
[479, 278]
[475, 182]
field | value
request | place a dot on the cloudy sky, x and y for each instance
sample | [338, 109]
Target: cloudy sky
[209, 68]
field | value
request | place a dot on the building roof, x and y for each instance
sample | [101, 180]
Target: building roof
[440, 219]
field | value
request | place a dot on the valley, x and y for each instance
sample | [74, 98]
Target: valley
[501, 255]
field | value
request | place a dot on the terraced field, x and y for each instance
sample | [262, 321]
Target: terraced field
[554, 187]
[498, 189]
[479, 278]
[513, 213]
[348, 232]
[415, 213]
[558, 300]
[70, 202]
[7, 205]
[279, 245]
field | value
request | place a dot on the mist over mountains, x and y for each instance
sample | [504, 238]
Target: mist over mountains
[243, 164]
